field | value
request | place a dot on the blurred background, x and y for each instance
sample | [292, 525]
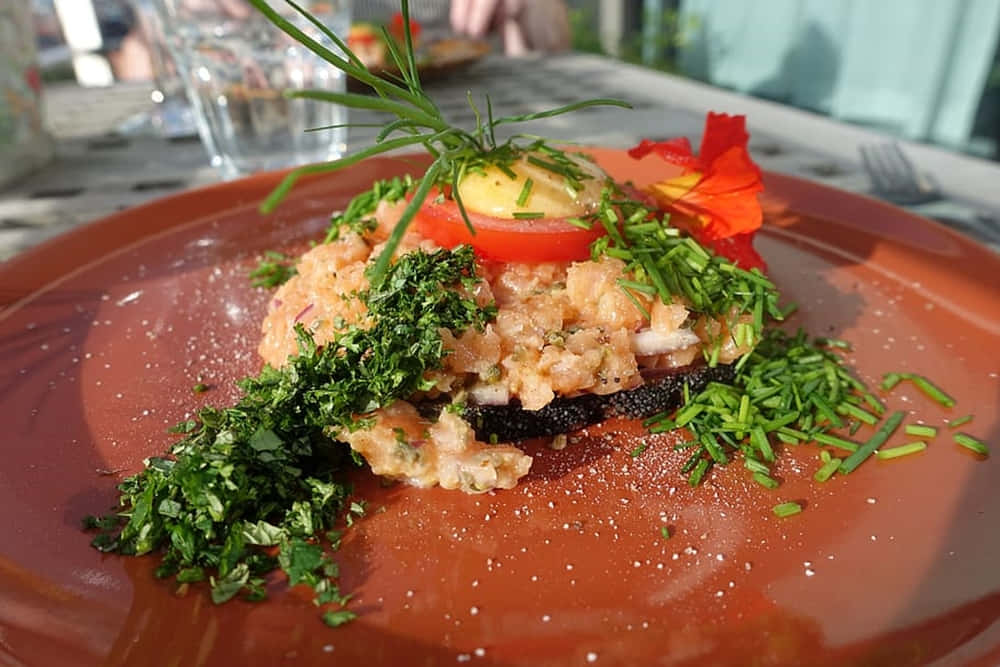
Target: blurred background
[106, 104]
[921, 70]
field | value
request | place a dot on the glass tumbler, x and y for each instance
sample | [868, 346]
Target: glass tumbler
[236, 68]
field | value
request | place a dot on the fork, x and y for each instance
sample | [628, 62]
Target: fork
[893, 176]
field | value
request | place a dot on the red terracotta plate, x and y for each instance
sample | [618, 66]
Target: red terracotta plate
[109, 327]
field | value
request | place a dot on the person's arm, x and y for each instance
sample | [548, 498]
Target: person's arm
[537, 25]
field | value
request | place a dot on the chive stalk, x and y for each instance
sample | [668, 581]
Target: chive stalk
[766, 480]
[934, 392]
[522, 198]
[873, 443]
[694, 479]
[826, 470]
[958, 421]
[786, 509]
[902, 450]
[920, 430]
[834, 441]
[971, 442]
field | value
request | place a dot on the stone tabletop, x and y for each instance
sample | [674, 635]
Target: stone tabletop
[109, 157]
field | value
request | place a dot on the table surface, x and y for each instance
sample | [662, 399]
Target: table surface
[109, 157]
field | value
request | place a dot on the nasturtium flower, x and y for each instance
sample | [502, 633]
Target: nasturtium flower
[715, 195]
[717, 189]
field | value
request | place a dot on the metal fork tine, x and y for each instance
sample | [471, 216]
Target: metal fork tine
[894, 177]
[901, 165]
[874, 171]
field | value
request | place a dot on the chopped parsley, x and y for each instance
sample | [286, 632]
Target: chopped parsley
[359, 214]
[266, 472]
[273, 270]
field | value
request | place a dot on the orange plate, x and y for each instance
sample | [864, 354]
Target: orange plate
[109, 327]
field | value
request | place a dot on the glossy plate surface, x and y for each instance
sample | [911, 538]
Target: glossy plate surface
[107, 328]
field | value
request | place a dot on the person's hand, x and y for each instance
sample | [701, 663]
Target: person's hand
[524, 25]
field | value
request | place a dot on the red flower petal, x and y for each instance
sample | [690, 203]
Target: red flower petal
[719, 187]
[722, 132]
[738, 248]
[725, 198]
[675, 151]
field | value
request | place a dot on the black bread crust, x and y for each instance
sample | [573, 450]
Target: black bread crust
[511, 422]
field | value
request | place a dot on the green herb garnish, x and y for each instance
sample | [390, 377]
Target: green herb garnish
[359, 214]
[902, 450]
[774, 395]
[920, 430]
[786, 509]
[959, 421]
[522, 198]
[873, 443]
[419, 120]
[973, 443]
[273, 270]
[267, 472]
[672, 265]
[935, 393]
[826, 470]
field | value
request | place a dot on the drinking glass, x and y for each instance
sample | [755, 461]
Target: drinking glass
[236, 67]
[172, 115]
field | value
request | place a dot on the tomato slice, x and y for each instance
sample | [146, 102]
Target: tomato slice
[538, 240]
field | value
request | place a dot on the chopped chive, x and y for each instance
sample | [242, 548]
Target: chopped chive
[786, 509]
[873, 443]
[662, 426]
[638, 450]
[688, 412]
[522, 198]
[933, 391]
[714, 449]
[973, 443]
[766, 480]
[795, 434]
[580, 222]
[834, 441]
[873, 402]
[693, 459]
[890, 380]
[528, 215]
[855, 425]
[665, 532]
[920, 430]
[787, 439]
[788, 310]
[858, 413]
[510, 173]
[834, 342]
[753, 465]
[759, 440]
[200, 388]
[825, 456]
[958, 421]
[637, 286]
[694, 479]
[826, 470]
[550, 166]
[902, 450]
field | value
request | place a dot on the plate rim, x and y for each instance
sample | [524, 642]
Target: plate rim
[38, 268]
